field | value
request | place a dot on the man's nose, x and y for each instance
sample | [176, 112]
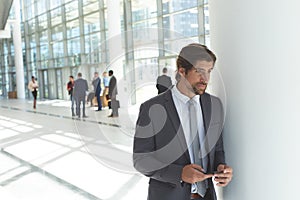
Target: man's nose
[205, 76]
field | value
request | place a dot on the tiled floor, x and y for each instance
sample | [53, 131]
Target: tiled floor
[47, 154]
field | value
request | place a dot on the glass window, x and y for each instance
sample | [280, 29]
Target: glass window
[143, 35]
[59, 83]
[44, 37]
[33, 55]
[170, 6]
[58, 62]
[86, 2]
[185, 23]
[142, 10]
[32, 41]
[57, 33]
[71, 10]
[58, 49]
[30, 11]
[90, 7]
[41, 6]
[145, 53]
[56, 17]
[31, 26]
[152, 23]
[73, 29]
[44, 52]
[92, 48]
[42, 22]
[74, 47]
[91, 23]
[55, 3]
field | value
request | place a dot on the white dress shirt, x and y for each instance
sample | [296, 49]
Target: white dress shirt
[182, 107]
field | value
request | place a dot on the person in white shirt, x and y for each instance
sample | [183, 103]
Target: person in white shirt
[178, 140]
[33, 87]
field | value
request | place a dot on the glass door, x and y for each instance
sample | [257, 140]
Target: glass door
[59, 85]
[45, 81]
[170, 64]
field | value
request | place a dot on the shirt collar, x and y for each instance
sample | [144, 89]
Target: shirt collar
[183, 98]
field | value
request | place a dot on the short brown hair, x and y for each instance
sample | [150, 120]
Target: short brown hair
[192, 53]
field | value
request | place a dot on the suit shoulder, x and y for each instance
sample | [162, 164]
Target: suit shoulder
[159, 99]
[213, 99]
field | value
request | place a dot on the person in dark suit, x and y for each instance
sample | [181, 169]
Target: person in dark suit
[97, 89]
[178, 140]
[163, 82]
[112, 93]
[79, 93]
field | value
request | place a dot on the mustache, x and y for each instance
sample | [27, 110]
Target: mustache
[203, 83]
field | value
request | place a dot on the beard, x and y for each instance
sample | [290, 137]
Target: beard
[198, 90]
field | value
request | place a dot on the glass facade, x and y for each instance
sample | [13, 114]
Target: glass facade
[62, 37]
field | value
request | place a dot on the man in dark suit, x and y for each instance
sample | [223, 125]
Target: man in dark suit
[79, 93]
[163, 82]
[112, 93]
[97, 89]
[178, 141]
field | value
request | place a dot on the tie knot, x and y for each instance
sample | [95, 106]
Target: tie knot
[191, 104]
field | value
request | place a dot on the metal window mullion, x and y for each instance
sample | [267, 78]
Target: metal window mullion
[160, 29]
[129, 50]
[64, 29]
[81, 31]
[201, 22]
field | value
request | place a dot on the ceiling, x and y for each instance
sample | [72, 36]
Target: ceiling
[5, 6]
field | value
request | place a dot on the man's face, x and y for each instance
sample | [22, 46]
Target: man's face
[197, 78]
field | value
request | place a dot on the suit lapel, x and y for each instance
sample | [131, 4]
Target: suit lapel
[205, 102]
[174, 118]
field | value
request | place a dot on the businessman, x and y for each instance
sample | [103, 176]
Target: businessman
[79, 92]
[178, 140]
[97, 89]
[163, 82]
[112, 93]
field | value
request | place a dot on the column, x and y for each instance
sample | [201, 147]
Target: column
[257, 45]
[115, 48]
[114, 30]
[17, 39]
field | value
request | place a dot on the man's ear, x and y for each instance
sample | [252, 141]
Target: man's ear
[181, 71]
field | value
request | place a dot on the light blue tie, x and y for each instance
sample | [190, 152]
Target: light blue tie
[198, 158]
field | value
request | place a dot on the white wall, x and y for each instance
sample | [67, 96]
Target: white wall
[257, 43]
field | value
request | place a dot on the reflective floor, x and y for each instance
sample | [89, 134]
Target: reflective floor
[47, 154]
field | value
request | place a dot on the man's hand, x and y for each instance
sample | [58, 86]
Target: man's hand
[194, 173]
[223, 175]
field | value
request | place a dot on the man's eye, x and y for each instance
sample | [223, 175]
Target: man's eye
[201, 70]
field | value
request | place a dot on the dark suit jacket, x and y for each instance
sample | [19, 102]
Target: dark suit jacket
[160, 150]
[163, 83]
[80, 88]
[97, 86]
[112, 87]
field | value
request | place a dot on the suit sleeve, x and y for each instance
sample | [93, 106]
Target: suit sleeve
[86, 86]
[145, 157]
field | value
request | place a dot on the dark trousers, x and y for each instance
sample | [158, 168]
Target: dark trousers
[34, 93]
[99, 102]
[78, 102]
[208, 196]
[114, 107]
[72, 104]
